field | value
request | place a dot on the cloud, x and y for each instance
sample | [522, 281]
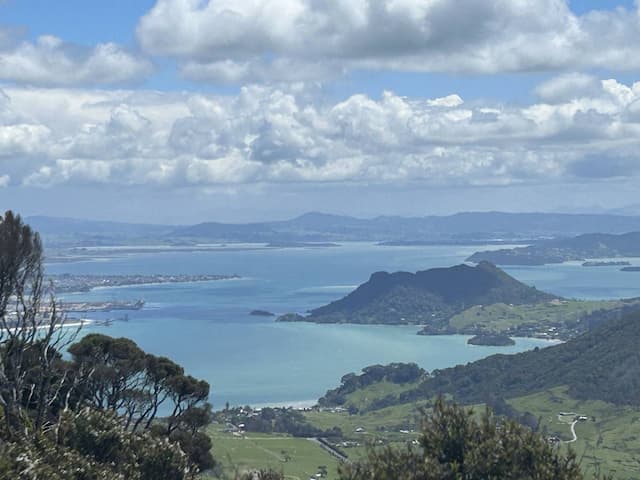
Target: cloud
[254, 40]
[284, 135]
[49, 61]
[569, 86]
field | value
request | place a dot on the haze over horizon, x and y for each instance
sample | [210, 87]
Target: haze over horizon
[184, 111]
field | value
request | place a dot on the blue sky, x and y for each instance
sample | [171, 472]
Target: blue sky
[268, 108]
[88, 23]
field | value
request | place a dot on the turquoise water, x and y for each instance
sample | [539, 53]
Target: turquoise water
[253, 360]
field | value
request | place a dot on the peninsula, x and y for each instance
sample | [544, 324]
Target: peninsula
[427, 297]
[588, 246]
[67, 283]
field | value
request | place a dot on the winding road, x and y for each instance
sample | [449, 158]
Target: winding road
[572, 426]
[573, 432]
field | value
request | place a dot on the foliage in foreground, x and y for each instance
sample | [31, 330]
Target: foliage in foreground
[93, 445]
[94, 416]
[454, 445]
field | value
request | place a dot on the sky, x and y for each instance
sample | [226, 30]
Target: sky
[181, 111]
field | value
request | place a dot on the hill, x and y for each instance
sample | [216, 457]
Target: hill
[602, 364]
[59, 231]
[467, 227]
[595, 245]
[583, 392]
[425, 297]
[460, 228]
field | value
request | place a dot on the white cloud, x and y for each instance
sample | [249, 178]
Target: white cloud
[51, 62]
[4, 180]
[269, 135]
[231, 41]
[568, 86]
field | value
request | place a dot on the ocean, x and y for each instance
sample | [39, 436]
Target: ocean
[249, 360]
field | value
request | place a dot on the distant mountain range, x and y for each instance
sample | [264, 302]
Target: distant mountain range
[428, 297]
[75, 232]
[460, 228]
[596, 245]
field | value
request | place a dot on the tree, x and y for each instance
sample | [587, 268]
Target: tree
[113, 368]
[454, 445]
[32, 373]
[119, 377]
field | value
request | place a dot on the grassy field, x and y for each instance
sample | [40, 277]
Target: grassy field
[609, 440]
[362, 398]
[385, 423]
[297, 458]
[501, 317]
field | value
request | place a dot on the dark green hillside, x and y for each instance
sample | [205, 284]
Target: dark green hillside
[427, 297]
[603, 364]
[592, 245]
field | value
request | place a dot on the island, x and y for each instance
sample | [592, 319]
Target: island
[291, 317]
[68, 283]
[491, 340]
[261, 313]
[594, 263]
[592, 245]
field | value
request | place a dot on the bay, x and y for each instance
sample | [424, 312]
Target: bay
[206, 326]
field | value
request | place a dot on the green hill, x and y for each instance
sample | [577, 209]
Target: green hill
[603, 364]
[426, 297]
[584, 393]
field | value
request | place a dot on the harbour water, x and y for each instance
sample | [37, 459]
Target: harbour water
[206, 326]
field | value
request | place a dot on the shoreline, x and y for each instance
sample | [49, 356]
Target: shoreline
[151, 283]
[411, 326]
[76, 323]
[295, 404]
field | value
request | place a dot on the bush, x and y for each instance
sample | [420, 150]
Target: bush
[454, 446]
[93, 445]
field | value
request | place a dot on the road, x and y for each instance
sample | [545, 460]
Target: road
[572, 426]
[332, 451]
[573, 432]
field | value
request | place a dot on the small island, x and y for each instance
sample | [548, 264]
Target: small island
[291, 317]
[261, 313]
[630, 269]
[605, 264]
[491, 340]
